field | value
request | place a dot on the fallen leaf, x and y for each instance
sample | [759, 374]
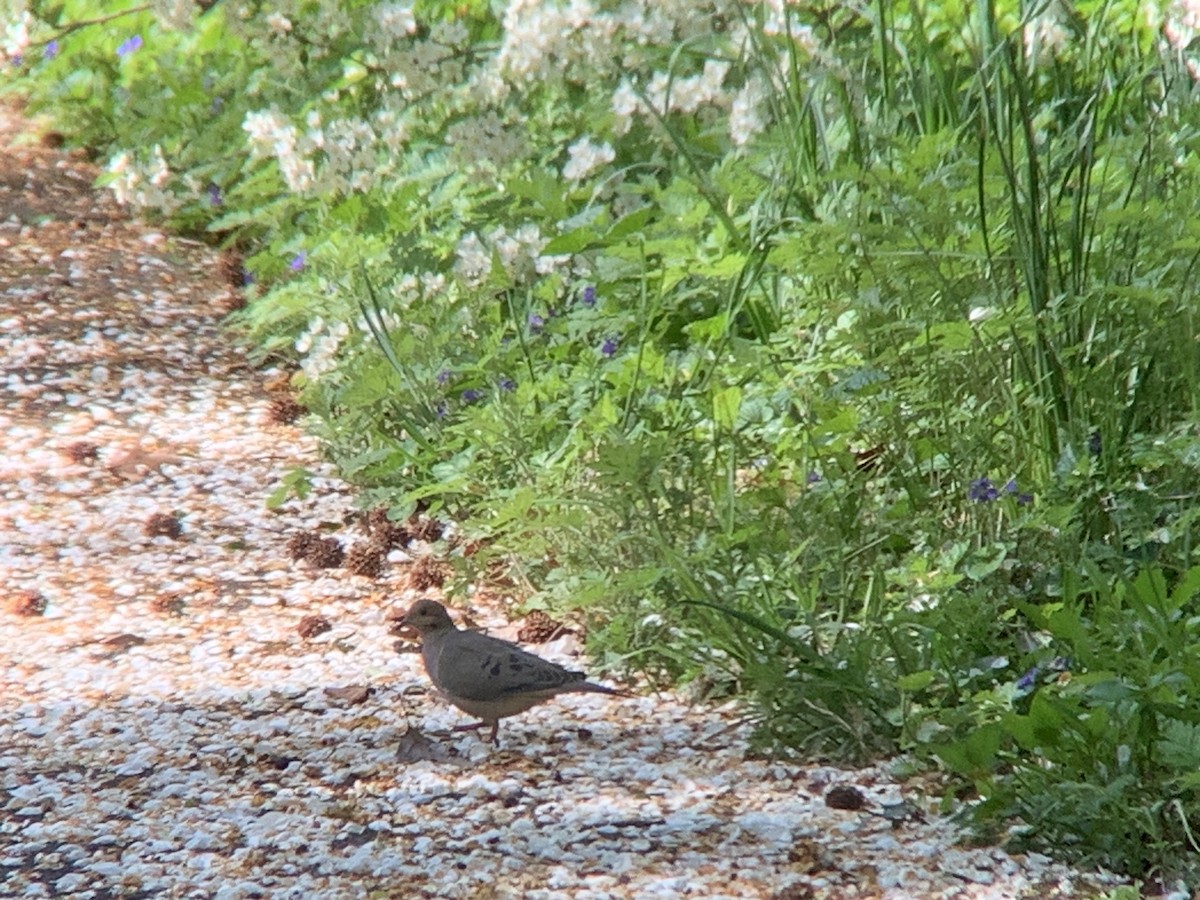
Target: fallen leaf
[351, 694]
[415, 746]
[129, 462]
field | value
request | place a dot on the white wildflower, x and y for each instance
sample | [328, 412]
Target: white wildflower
[746, 117]
[1182, 22]
[385, 318]
[432, 283]
[146, 186]
[625, 100]
[272, 134]
[1044, 37]
[508, 248]
[395, 20]
[322, 359]
[474, 262]
[1187, 13]
[548, 265]
[585, 158]
[779, 21]
[16, 35]
[667, 93]
[121, 185]
[320, 353]
[159, 173]
[269, 132]
[449, 34]
[175, 14]
[485, 140]
[305, 341]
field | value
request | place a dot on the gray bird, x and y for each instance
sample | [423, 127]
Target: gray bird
[484, 676]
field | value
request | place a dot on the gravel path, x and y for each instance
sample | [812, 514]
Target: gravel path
[174, 723]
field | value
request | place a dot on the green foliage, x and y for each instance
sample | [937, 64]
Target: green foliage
[1100, 744]
[844, 358]
[296, 483]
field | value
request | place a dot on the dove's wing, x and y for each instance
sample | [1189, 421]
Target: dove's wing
[477, 667]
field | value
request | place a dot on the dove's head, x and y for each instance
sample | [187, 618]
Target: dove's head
[427, 617]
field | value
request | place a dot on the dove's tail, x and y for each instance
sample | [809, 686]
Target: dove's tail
[590, 687]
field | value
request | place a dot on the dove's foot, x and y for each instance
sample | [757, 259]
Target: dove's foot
[495, 729]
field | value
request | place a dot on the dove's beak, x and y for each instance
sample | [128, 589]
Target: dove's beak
[401, 627]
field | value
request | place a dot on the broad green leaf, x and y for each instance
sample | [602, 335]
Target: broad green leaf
[916, 681]
[726, 403]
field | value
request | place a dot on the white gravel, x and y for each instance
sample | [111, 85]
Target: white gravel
[166, 732]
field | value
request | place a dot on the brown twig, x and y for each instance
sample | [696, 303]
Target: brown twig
[99, 20]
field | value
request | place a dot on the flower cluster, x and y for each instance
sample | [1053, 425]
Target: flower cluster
[668, 93]
[425, 78]
[747, 115]
[341, 154]
[486, 141]
[15, 39]
[144, 186]
[175, 15]
[519, 253]
[982, 490]
[579, 39]
[318, 346]
[272, 134]
[348, 151]
[1045, 36]
[1182, 22]
[584, 157]
[395, 21]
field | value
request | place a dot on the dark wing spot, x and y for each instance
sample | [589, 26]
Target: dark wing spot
[495, 670]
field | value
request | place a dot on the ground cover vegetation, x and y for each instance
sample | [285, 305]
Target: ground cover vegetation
[839, 355]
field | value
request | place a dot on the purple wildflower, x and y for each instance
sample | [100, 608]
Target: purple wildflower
[470, 395]
[298, 261]
[1023, 499]
[982, 491]
[536, 323]
[50, 51]
[589, 296]
[441, 409]
[1027, 681]
[214, 194]
[443, 377]
[609, 347]
[813, 477]
[129, 45]
[507, 384]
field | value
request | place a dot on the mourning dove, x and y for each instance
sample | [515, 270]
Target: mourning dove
[484, 676]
